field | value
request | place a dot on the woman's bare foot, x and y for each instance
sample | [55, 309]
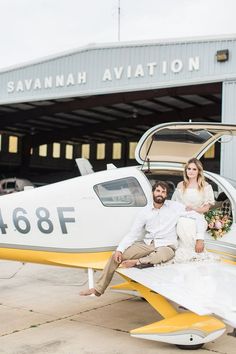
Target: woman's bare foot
[129, 263]
[91, 291]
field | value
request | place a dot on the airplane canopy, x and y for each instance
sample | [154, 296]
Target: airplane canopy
[178, 142]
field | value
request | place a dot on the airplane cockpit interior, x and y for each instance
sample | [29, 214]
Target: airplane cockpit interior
[222, 200]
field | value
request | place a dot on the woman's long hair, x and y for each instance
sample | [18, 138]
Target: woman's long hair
[200, 176]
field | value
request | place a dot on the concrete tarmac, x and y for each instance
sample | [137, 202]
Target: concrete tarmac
[41, 312]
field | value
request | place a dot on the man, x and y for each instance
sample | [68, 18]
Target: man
[158, 244]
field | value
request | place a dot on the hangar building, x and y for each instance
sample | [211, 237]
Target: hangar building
[97, 101]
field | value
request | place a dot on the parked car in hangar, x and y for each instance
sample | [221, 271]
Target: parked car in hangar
[12, 185]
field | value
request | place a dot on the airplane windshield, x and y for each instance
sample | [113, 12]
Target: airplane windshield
[180, 135]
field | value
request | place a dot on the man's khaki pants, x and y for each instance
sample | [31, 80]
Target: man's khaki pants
[139, 250]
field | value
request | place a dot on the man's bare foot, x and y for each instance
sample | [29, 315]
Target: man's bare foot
[91, 291]
[129, 263]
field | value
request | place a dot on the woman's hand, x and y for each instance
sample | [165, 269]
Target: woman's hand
[199, 246]
[189, 208]
[201, 210]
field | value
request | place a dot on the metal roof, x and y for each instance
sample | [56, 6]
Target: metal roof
[136, 43]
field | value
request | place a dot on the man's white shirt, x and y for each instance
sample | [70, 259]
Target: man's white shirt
[159, 225]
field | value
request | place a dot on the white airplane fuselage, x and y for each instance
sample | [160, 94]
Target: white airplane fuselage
[67, 216]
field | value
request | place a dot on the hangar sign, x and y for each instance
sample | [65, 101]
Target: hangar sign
[109, 74]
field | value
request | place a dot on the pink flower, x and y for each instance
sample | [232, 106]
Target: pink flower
[218, 225]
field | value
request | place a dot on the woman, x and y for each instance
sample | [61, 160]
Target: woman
[197, 195]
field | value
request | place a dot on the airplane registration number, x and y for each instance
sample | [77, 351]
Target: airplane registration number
[43, 220]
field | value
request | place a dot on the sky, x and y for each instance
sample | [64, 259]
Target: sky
[32, 29]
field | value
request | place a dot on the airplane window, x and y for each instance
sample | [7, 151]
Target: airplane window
[10, 185]
[125, 192]
[171, 179]
[183, 136]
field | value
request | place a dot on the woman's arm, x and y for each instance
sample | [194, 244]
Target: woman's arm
[209, 200]
[203, 209]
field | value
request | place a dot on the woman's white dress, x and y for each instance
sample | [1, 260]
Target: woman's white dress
[186, 227]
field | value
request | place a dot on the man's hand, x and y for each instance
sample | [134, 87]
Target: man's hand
[199, 246]
[118, 257]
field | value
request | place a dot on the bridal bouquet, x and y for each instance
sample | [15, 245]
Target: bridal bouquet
[218, 223]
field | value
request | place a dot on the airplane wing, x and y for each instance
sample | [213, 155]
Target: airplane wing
[86, 260]
[204, 287]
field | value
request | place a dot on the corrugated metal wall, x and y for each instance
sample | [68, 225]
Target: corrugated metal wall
[228, 148]
[119, 68]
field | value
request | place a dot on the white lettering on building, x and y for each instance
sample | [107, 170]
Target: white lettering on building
[139, 71]
[19, 86]
[194, 64]
[70, 80]
[28, 84]
[107, 75]
[118, 72]
[37, 84]
[10, 86]
[129, 72]
[164, 67]
[59, 80]
[176, 66]
[48, 82]
[82, 77]
[152, 69]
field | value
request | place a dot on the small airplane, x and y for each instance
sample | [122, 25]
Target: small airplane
[13, 184]
[79, 223]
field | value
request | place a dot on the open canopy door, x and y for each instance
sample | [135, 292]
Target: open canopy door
[178, 142]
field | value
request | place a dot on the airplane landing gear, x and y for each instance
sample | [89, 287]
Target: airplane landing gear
[233, 334]
[190, 347]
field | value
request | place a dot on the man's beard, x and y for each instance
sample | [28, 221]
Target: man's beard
[159, 199]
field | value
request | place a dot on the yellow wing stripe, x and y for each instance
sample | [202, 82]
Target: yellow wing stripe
[82, 260]
[182, 322]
